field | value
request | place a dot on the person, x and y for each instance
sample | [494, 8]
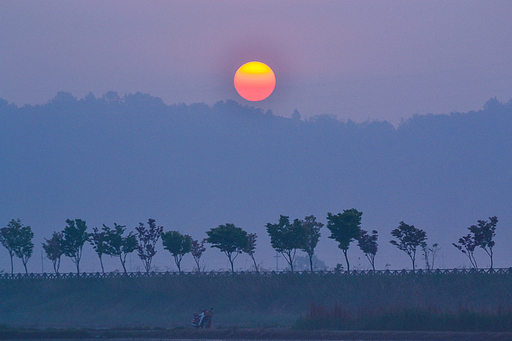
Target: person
[206, 314]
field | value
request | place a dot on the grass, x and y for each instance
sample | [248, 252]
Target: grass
[406, 319]
[258, 301]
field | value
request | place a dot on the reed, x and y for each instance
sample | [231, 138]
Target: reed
[406, 319]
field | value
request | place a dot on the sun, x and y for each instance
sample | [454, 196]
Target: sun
[255, 81]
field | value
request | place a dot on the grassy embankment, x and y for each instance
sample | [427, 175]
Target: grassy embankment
[327, 301]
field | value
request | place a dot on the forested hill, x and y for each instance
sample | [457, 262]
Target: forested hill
[193, 167]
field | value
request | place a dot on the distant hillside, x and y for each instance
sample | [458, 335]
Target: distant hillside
[193, 167]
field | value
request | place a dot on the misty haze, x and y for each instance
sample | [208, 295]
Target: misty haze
[194, 167]
[271, 170]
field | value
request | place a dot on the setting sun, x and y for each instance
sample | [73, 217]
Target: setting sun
[254, 81]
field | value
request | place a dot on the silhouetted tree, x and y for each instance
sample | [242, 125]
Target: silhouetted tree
[119, 245]
[409, 239]
[296, 115]
[197, 251]
[493, 104]
[368, 244]
[229, 239]
[312, 236]
[483, 234]
[430, 252]
[17, 239]
[53, 249]
[75, 236]
[433, 252]
[25, 247]
[286, 238]
[467, 246]
[99, 242]
[8, 238]
[345, 228]
[250, 248]
[177, 244]
[147, 239]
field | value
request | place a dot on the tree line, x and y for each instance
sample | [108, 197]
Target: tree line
[286, 237]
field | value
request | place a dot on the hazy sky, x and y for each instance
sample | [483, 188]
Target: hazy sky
[356, 59]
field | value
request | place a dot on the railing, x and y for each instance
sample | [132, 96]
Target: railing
[98, 275]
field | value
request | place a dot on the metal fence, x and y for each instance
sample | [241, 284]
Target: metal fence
[167, 274]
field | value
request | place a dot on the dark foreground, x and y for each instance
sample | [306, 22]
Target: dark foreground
[245, 334]
[261, 305]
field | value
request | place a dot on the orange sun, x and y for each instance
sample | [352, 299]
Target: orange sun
[254, 81]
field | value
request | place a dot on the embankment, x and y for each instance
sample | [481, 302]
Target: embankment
[241, 300]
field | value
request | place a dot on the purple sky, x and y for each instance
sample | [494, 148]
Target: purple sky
[355, 59]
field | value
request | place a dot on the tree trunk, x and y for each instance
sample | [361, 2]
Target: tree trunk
[255, 265]
[473, 261]
[123, 262]
[311, 262]
[290, 260]
[12, 264]
[101, 262]
[77, 258]
[25, 265]
[197, 263]
[178, 263]
[232, 266]
[371, 259]
[346, 259]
